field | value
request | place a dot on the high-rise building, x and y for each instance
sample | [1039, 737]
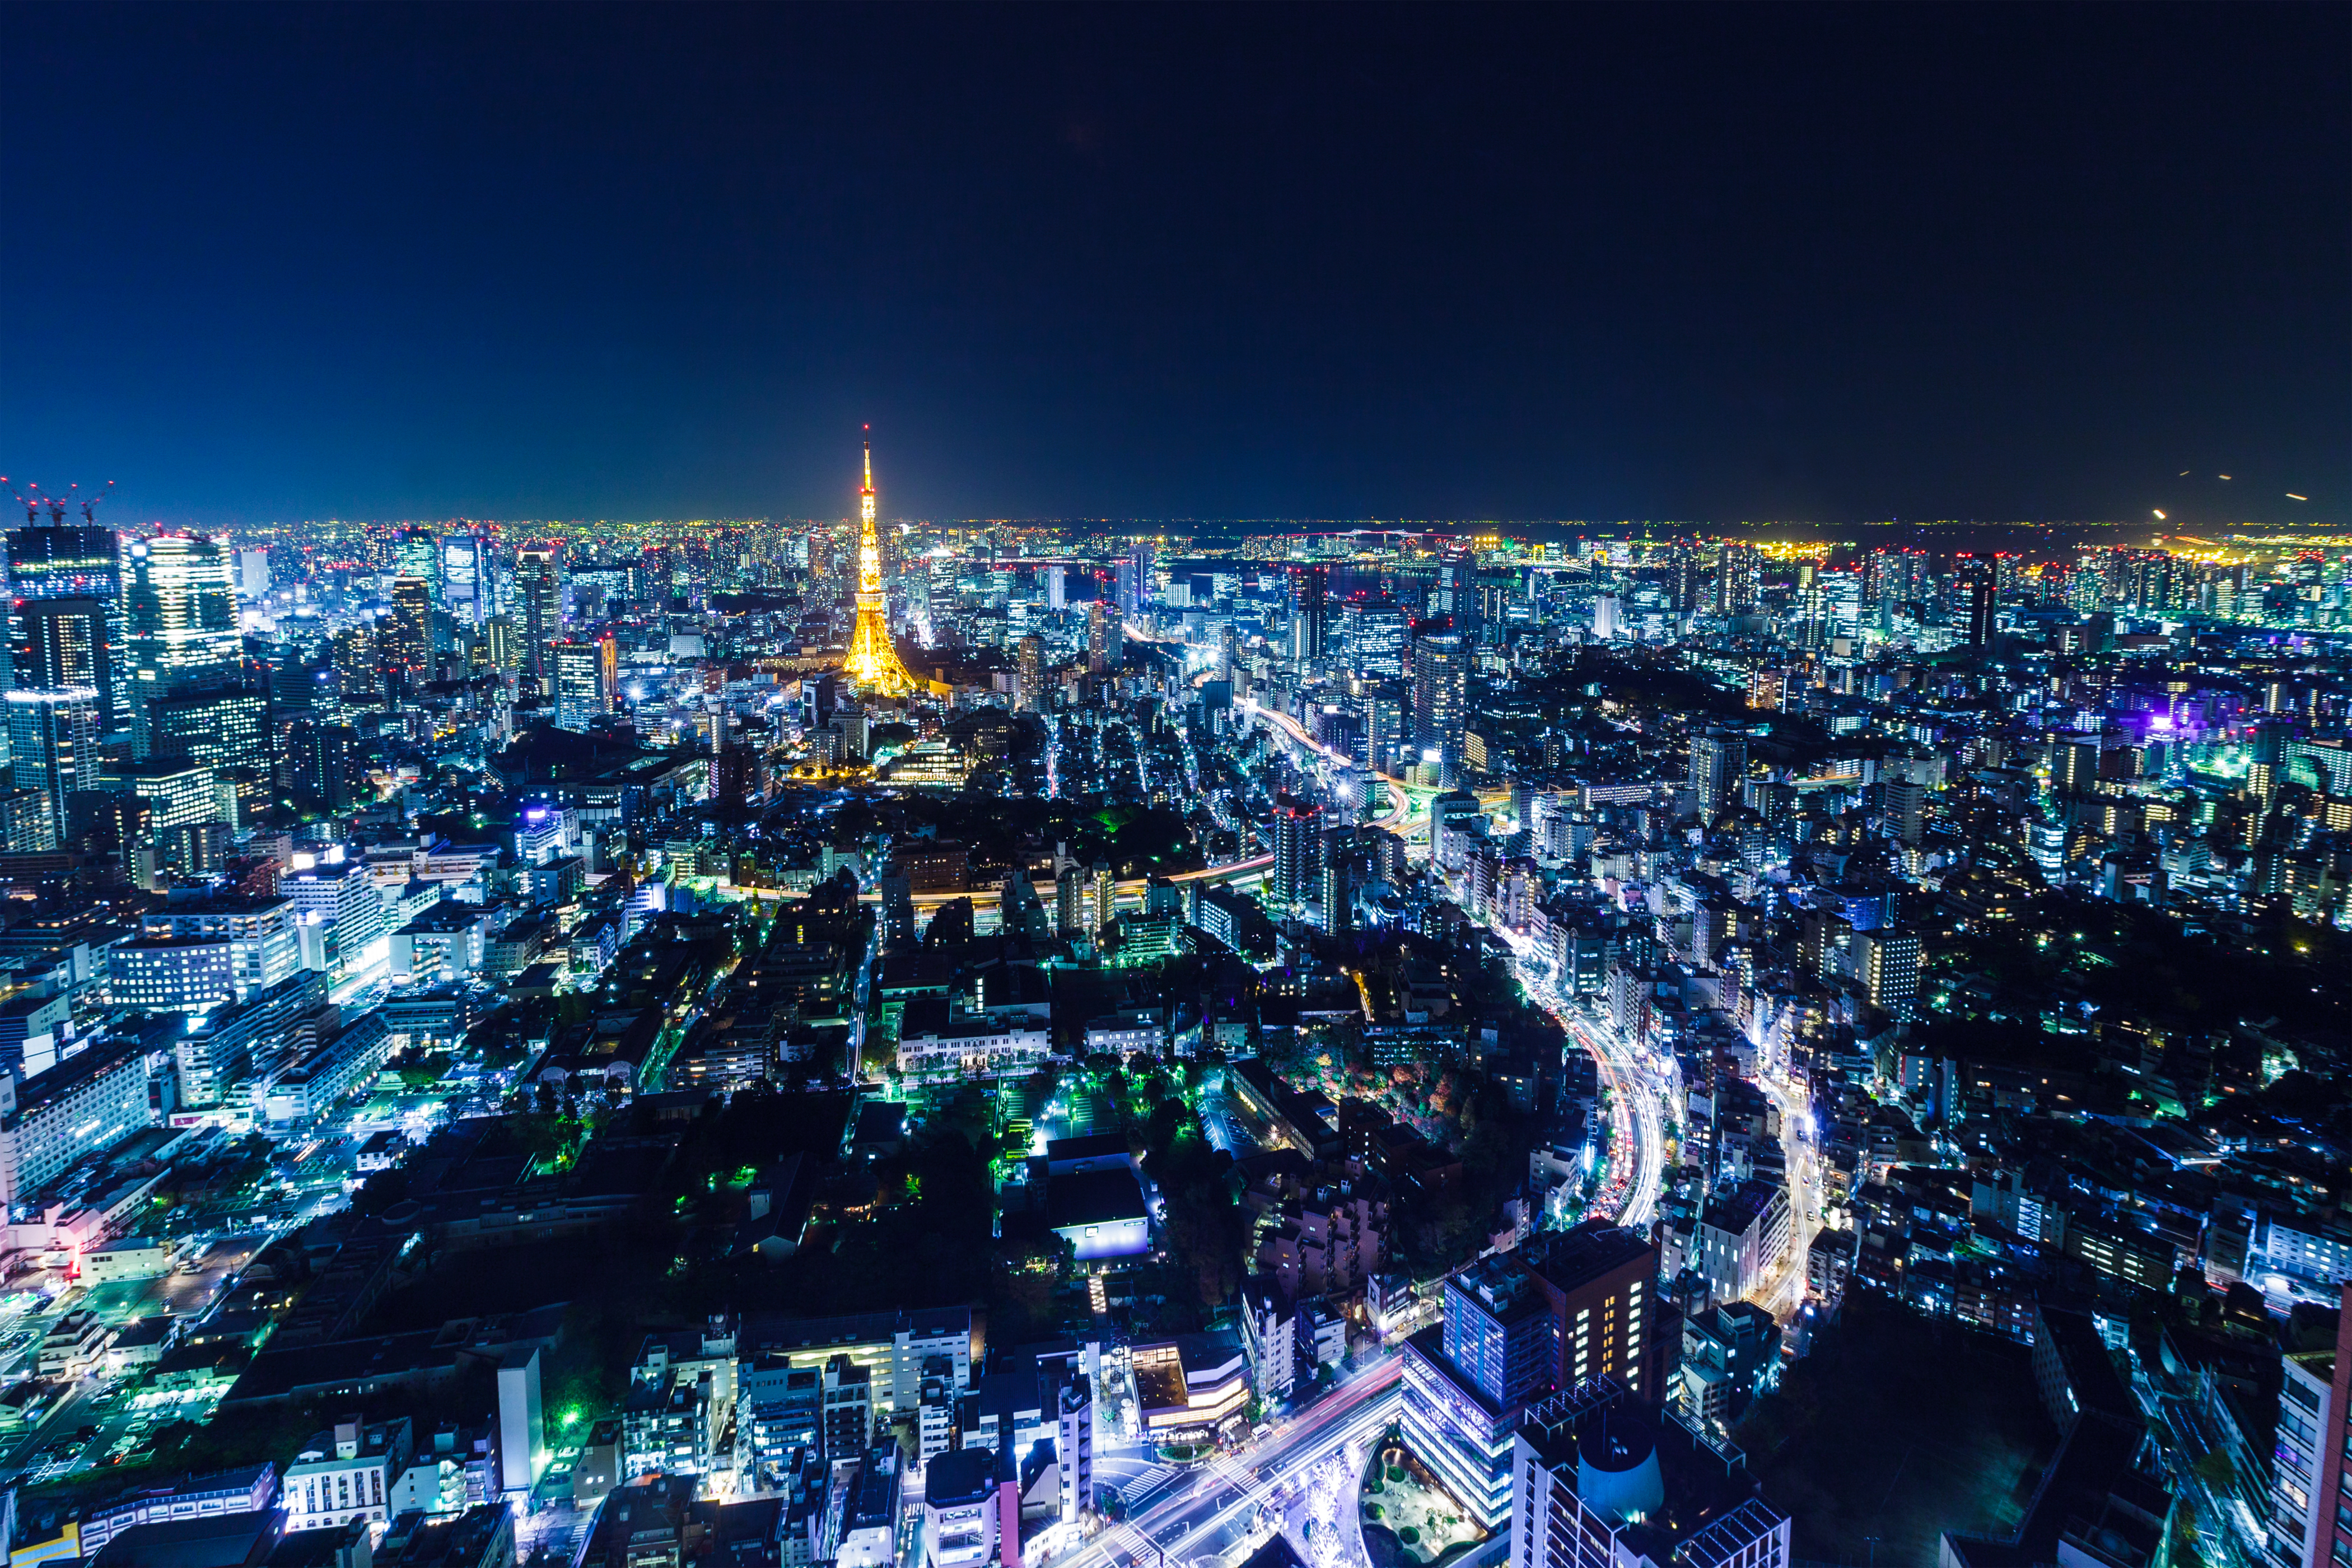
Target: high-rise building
[1587, 1489]
[1105, 644]
[1977, 584]
[180, 621]
[538, 602]
[1601, 1283]
[1373, 635]
[1718, 763]
[53, 745]
[1307, 591]
[1887, 964]
[225, 728]
[404, 642]
[415, 553]
[464, 578]
[1298, 852]
[318, 764]
[54, 562]
[584, 677]
[1737, 576]
[1132, 578]
[66, 643]
[1500, 1330]
[1033, 672]
[1440, 685]
[78, 569]
[1102, 893]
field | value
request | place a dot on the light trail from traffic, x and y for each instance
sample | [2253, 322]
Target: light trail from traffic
[1355, 1410]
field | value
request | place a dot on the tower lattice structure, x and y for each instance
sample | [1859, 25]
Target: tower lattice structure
[873, 663]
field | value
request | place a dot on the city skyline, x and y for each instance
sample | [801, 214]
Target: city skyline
[1176, 787]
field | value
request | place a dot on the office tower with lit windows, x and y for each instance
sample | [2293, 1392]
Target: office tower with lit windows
[1307, 589]
[1132, 578]
[318, 764]
[66, 619]
[1298, 852]
[1718, 763]
[67, 643]
[1737, 576]
[1439, 681]
[1032, 673]
[1601, 1283]
[1372, 633]
[465, 578]
[405, 640]
[1977, 584]
[1887, 964]
[180, 624]
[415, 553]
[53, 745]
[538, 604]
[585, 674]
[1105, 641]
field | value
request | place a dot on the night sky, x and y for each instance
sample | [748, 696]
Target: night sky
[1161, 262]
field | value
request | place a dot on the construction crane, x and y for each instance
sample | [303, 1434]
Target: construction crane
[90, 503]
[31, 503]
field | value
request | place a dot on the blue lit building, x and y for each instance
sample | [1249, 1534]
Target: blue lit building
[1467, 1378]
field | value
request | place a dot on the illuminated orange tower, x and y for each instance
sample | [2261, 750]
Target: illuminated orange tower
[873, 663]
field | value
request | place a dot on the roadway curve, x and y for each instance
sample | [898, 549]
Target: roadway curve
[1203, 1501]
[1635, 1124]
[1404, 801]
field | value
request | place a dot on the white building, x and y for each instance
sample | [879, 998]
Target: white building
[1742, 1235]
[338, 1066]
[258, 934]
[346, 1474]
[2307, 1416]
[2321, 1257]
[85, 1104]
[975, 1048]
[338, 894]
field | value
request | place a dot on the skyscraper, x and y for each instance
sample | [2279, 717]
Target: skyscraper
[1105, 642]
[1439, 684]
[406, 642]
[1298, 852]
[416, 553]
[464, 578]
[1133, 577]
[1033, 672]
[1718, 763]
[180, 620]
[1306, 587]
[53, 737]
[539, 595]
[1977, 585]
[583, 683]
[79, 570]
[1737, 578]
[1889, 966]
[67, 642]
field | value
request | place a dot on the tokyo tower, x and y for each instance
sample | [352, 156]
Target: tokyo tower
[873, 663]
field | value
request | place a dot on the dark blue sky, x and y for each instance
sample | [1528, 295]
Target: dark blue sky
[1672, 263]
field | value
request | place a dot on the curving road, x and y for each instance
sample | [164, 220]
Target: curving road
[1635, 1086]
[1204, 1505]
